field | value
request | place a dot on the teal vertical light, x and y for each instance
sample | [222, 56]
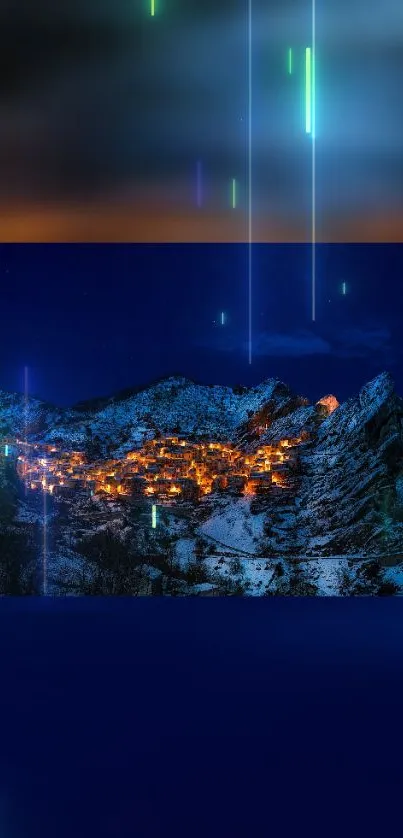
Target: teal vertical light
[308, 90]
[313, 103]
[233, 193]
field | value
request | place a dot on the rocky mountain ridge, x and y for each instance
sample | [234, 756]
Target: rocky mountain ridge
[171, 405]
[348, 496]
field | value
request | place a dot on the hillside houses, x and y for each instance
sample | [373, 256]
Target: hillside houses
[168, 469]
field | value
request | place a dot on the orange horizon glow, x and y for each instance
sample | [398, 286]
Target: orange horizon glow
[119, 222]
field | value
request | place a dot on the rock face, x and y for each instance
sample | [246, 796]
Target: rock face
[169, 406]
[346, 492]
[348, 500]
[329, 403]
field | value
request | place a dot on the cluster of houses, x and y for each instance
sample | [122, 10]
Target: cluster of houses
[45, 467]
[166, 469]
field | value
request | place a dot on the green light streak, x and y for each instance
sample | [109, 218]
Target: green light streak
[152, 8]
[154, 516]
[233, 193]
[313, 93]
[308, 91]
[290, 61]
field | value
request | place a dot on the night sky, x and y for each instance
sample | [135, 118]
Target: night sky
[90, 320]
[106, 111]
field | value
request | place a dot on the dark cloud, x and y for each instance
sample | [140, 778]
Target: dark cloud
[347, 343]
[290, 345]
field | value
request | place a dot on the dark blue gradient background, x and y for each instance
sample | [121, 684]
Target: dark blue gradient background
[189, 718]
[90, 320]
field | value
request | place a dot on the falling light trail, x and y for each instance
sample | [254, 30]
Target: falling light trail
[152, 10]
[6, 450]
[250, 179]
[153, 516]
[233, 193]
[199, 183]
[222, 318]
[25, 420]
[313, 126]
[343, 289]
[289, 61]
[45, 539]
[308, 91]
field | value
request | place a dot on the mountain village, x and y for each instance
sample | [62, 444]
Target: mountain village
[168, 469]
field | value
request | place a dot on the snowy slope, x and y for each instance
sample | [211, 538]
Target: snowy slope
[235, 526]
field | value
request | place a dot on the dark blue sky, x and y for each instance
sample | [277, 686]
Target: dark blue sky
[179, 718]
[90, 320]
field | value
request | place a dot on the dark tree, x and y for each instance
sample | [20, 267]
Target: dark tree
[94, 448]
[196, 573]
[388, 589]
[157, 586]
[199, 549]
[236, 567]
[115, 570]
[371, 571]
[18, 558]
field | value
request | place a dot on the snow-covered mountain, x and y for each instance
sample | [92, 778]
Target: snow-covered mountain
[350, 471]
[173, 404]
[347, 495]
